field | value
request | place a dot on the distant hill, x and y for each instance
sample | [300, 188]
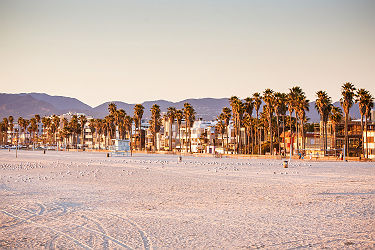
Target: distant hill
[28, 104]
[62, 103]
[24, 105]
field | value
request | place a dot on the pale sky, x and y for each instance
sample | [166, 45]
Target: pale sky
[135, 51]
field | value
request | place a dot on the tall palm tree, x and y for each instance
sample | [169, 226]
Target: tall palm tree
[56, 125]
[257, 100]
[11, 126]
[269, 99]
[5, 128]
[155, 123]
[346, 101]
[238, 110]
[248, 108]
[75, 129]
[226, 112]
[65, 131]
[323, 104]
[138, 113]
[33, 128]
[92, 127]
[179, 115]
[302, 105]
[335, 116]
[171, 112]
[189, 114]
[46, 121]
[37, 118]
[369, 106]
[82, 122]
[361, 99]
[280, 108]
[119, 116]
[220, 127]
[112, 108]
[295, 94]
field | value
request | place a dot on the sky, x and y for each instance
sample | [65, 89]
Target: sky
[135, 51]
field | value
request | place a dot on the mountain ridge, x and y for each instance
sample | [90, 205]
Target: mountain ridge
[28, 104]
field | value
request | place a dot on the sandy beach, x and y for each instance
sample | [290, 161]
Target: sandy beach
[86, 200]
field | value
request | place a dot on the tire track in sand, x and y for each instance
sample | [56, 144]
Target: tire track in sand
[42, 209]
[116, 241]
[105, 239]
[50, 244]
[147, 244]
[81, 244]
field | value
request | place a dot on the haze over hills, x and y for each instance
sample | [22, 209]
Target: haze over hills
[28, 104]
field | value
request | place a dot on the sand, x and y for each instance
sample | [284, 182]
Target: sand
[86, 200]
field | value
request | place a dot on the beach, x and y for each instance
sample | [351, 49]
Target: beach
[153, 201]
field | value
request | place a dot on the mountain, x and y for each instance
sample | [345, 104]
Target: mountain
[24, 105]
[28, 104]
[61, 103]
[206, 108]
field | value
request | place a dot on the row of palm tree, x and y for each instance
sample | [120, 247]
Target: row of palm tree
[268, 123]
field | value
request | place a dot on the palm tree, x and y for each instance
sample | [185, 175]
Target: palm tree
[11, 126]
[5, 128]
[361, 100]
[346, 101]
[302, 105]
[138, 113]
[257, 100]
[171, 112]
[33, 128]
[92, 127]
[55, 127]
[226, 112]
[21, 125]
[46, 125]
[37, 118]
[247, 122]
[295, 93]
[82, 122]
[249, 107]
[220, 127]
[65, 131]
[75, 129]
[280, 108]
[269, 99]
[112, 108]
[189, 114]
[155, 123]
[369, 106]
[179, 115]
[120, 117]
[323, 104]
[335, 116]
[238, 110]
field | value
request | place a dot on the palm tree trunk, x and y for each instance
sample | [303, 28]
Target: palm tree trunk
[284, 134]
[326, 137]
[278, 132]
[290, 127]
[252, 140]
[346, 134]
[297, 133]
[362, 137]
[186, 136]
[170, 136]
[271, 139]
[227, 147]
[366, 137]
